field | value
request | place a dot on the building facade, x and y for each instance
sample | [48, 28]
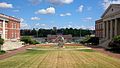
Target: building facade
[109, 24]
[99, 28]
[9, 27]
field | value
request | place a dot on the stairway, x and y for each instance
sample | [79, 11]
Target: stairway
[104, 43]
[11, 45]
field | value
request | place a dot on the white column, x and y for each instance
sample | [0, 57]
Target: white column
[107, 29]
[111, 29]
[103, 29]
[3, 35]
[116, 27]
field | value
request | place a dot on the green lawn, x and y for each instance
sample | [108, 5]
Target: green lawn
[60, 59]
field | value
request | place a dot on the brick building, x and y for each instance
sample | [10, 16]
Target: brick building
[99, 28]
[9, 27]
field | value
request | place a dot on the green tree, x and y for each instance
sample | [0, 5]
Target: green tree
[1, 43]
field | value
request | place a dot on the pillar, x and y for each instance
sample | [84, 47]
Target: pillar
[111, 29]
[107, 30]
[104, 29]
[3, 35]
[115, 27]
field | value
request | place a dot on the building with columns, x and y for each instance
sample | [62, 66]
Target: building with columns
[9, 27]
[109, 25]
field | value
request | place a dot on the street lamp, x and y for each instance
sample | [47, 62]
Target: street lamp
[37, 31]
[80, 32]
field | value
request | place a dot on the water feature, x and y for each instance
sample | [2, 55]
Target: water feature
[60, 41]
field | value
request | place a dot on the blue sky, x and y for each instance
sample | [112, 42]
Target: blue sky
[56, 13]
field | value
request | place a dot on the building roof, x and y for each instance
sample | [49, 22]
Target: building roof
[109, 8]
[9, 17]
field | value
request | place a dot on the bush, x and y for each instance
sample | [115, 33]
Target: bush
[29, 40]
[93, 40]
[2, 52]
[115, 43]
[1, 42]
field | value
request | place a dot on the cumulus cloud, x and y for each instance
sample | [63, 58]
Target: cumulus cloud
[5, 5]
[106, 3]
[87, 19]
[86, 27]
[50, 10]
[16, 10]
[80, 8]
[41, 25]
[23, 25]
[60, 1]
[35, 18]
[35, 2]
[66, 14]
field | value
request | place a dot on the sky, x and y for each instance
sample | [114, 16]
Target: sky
[56, 13]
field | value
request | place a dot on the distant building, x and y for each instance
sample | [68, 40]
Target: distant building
[55, 28]
[109, 24]
[9, 27]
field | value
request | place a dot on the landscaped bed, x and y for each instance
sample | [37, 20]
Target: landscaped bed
[85, 58]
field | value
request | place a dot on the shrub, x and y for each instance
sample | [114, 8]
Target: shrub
[1, 42]
[2, 52]
[29, 40]
[93, 40]
[115, 43]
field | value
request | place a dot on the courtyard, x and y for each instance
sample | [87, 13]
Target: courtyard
[68, 57]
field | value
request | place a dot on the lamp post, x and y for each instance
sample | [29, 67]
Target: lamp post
[80, 32]
[37, 31]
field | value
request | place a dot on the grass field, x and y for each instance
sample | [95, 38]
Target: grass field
[60, 59]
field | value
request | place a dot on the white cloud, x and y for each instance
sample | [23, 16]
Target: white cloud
[35, 2]
[80, 8]
[87, 19]
[35, 18]
[69, 26]
[106, 3]
[5, 5]
[23, 25]
[16, 10]
[21, 19]
[50, 10]
[61, 1]
[66, 14]
[41, 25]
[86, 27]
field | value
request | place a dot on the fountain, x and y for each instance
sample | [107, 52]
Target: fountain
[60, 41]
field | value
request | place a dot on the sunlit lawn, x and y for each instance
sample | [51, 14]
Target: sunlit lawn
[60, 59]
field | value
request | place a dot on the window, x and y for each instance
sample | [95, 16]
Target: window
[6, 33]
[112, 9]
[13, 25]
[6, 24]
[0, 23]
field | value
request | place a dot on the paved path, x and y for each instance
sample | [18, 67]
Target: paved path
[11, 53]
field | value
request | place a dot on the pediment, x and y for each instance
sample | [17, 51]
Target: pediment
[113, 8]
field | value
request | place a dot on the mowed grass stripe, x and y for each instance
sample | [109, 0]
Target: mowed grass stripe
[112, 61]
[32, 62]
[102, 61]
[60, 59]
[15, 61]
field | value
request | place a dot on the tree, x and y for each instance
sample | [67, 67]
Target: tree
[1, 43]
